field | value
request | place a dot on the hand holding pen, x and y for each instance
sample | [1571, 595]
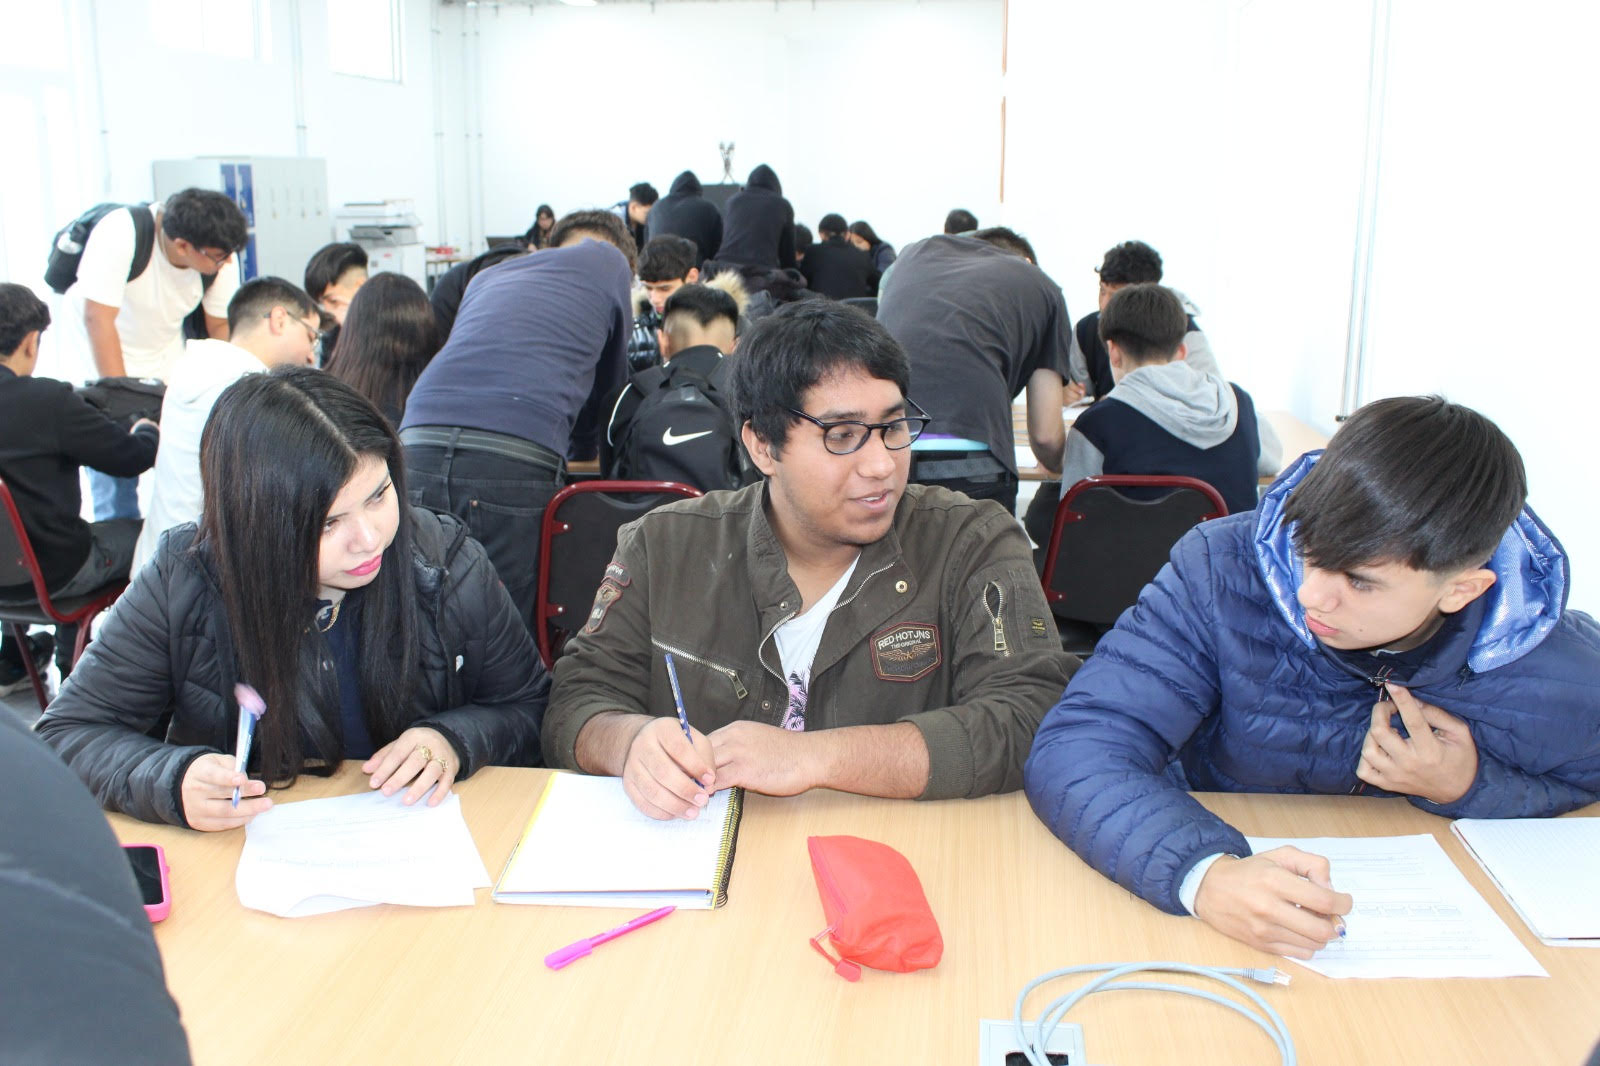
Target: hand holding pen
[670, 769]
[216, 793]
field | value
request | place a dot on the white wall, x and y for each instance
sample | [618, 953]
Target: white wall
[887, 111]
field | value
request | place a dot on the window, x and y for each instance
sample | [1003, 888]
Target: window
[231, 29]
[364, 38]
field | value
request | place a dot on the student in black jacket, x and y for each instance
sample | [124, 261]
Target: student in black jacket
[685, 212]
[835, 267]
[373, 631]
[46, 432]
[758, 224]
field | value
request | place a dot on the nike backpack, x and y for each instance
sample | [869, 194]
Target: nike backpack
[683, 430]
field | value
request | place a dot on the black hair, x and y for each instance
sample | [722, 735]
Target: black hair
[328, 265]
[1130, 263]
[21, 313]
[534, 238]
[1146, 321]
[802, 238]
[389, 335]
[206, 219]
[834, 224]
[600, 224]
[667, 258]
[960, 220]
[702, 303]
[1410, 479]
[643, 193]
[1008, 240]
[790, 350]
[257, 297]
[865, 231]
[276, 452]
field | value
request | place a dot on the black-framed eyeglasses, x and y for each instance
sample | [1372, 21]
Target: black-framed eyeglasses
[845, 437]
[312, 332]
[216, 260]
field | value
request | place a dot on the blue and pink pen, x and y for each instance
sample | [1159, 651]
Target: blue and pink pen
[251, 707]
[578, 949]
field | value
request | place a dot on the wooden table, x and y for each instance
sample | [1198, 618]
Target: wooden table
[396, 985]
[1297, 438]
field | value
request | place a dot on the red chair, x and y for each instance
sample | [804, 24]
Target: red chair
[1111, 536]
[19, 566]
[572, 566]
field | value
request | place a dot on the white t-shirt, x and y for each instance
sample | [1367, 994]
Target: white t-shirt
[798, 640]
[198, 378]
[152, 305]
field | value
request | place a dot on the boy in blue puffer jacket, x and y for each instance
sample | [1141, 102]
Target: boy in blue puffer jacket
[1391, 621]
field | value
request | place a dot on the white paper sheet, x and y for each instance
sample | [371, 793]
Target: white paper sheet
[1547, 868]
[1415, 913]
[332, 854]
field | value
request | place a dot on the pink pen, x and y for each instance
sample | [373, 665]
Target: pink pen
[578, 949]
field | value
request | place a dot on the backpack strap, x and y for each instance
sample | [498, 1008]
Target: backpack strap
[144, 238]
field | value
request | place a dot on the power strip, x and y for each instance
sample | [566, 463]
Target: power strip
[997, 1045]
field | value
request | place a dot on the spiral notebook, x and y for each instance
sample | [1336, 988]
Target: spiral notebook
[1549, 870]
[588, 846]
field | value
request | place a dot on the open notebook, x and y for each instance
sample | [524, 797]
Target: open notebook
[588, 846]
[1547, 868]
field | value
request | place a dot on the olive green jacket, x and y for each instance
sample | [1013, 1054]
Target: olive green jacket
[943, 624]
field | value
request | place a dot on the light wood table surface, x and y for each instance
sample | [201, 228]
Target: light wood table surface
[1297, 438]
[393, 985]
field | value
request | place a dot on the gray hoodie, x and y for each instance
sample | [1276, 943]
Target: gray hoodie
[1198, 408]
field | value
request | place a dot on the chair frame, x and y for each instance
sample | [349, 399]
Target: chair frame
[83, 617]
[1065, 513]
[550, 527]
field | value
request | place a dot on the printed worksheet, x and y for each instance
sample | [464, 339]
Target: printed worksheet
[1415, 913]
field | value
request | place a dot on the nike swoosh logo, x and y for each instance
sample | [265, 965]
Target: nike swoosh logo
[670, 438]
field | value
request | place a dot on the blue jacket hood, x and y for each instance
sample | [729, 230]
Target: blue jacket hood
[1520, 608]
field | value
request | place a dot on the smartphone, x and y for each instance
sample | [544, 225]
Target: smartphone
[149, 865]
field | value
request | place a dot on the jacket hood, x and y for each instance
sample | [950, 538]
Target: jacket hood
[1199, 409]
[764, 177]
[685, 184]
[1519, 610]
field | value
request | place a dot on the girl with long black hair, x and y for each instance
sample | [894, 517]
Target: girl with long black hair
[372, 630]
[389, 334]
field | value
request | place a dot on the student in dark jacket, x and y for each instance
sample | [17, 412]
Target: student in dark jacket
[863, 236]
[372, 630]
[46, 432]
[758, 224]
[685, 212]
[835, 267]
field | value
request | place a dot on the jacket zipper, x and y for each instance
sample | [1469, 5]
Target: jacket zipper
[732, 675]
[1000, 646]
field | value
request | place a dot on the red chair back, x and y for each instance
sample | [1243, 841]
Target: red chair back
[576, 541]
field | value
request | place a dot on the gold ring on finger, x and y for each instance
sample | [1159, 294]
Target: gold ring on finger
[427, 753]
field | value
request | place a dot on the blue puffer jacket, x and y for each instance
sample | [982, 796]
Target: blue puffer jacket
[1213, 682]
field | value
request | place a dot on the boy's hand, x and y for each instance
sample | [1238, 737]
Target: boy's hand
[1438, 761]
[1281, 901]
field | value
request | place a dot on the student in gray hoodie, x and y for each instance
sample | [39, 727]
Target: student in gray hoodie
[1166, 416]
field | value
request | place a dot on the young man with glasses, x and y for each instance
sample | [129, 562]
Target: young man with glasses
[830, 627]
[271, 323]
[133, 326]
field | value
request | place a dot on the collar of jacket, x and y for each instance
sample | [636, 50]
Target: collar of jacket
[778, 600]
[1519, 610]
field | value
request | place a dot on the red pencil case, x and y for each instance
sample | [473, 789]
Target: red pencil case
[877, 913]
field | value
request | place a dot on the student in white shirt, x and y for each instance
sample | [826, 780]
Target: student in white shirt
[135, 328]
[272, 323]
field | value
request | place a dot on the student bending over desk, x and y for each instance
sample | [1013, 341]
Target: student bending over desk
[1270, 655]
[831, 626]
[372, 630]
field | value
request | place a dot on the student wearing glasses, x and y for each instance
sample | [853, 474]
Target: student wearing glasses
[831, 626]
[271, 322]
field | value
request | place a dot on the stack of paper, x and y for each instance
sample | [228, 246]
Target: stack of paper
[327, 855]
[1549, 869]
[1414, 914]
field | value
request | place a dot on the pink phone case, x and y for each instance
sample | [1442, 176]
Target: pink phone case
[158, 911]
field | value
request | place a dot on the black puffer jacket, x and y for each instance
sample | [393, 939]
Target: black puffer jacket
[481, 684]
[685, 212]
[758, 224]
